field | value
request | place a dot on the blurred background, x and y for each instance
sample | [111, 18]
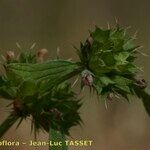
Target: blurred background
[64, 23]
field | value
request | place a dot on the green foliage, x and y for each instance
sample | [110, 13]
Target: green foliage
[57, 136]
[11, 119]
[145, 96]
[53, 72]
[57, 108]
[110, 58]
[49, 101]
[27, 57]
[41, 90]
[109, 55]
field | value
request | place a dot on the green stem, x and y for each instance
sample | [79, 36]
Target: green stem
[145, 96]
[56, 136]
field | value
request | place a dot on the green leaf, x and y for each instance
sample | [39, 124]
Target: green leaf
[28, 88]
[57, 136]
[8, 92]
[27, 58]
[46, 70]
[58, 109]
[129, 45]
[117, 33]
[121, 58]
[97, 84]
[100, 35]
[122, 83]
[2, 81]
[122, 80]
[128, 69]
[125, 88]
[145, 96]
[54, 71]
[108, 58]
[106, 80]
[4, 127]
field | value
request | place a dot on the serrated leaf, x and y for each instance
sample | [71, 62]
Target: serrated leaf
[5, 126]
[54, 71]
[42, 70]
[100, 35]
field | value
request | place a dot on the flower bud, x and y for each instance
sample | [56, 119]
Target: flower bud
[17, 106]
[57, 114]
[9, 55]
[141, 83]
[42, 53]
[110, 96]
[89, 41]
[87, 78]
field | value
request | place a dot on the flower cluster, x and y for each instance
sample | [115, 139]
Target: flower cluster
[109, 57]
[56, 109]
[41, 89]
